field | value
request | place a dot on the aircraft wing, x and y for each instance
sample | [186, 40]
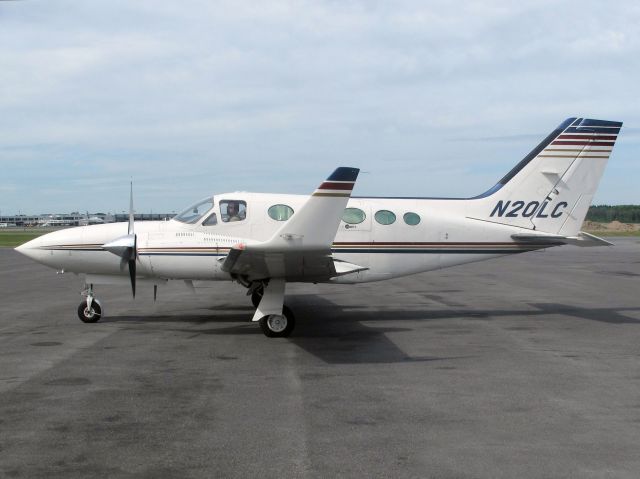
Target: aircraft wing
[301, 249]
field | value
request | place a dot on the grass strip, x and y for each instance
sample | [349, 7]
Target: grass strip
[12, 239]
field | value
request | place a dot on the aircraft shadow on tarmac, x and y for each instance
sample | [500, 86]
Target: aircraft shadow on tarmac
[338, 334]
[324, 330]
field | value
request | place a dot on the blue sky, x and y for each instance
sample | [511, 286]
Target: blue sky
[195, 97]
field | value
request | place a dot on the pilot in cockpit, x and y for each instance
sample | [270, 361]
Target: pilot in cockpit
[233, 211]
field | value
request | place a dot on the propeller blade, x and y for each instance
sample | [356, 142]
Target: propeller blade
[132, 264]
[132, 275]
[126, 247]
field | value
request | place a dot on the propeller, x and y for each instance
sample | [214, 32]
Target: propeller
[127, 247]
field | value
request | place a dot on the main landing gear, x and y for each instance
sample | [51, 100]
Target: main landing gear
[278, 325]
[276, 320]
[89, 310]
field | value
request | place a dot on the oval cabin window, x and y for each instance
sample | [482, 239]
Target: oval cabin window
[280, 212]
[353, 216]
[385, 217]
[411, 219]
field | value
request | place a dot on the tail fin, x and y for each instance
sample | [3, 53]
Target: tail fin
[552, 187]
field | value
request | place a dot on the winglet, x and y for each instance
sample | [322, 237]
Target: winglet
[315, 224]
[301, 248]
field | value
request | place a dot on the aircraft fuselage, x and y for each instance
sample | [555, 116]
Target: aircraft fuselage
[175, 250]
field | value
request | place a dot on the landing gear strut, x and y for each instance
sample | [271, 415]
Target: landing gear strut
[256, 291]
[89, 310]
[256, 296]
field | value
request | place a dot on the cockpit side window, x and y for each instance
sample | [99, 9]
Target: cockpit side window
[233, 210]
[193, 213]
[212, 220]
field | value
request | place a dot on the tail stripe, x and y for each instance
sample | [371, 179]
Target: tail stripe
[578, 150]
[589, 136]
[585, 143]
[573, 156]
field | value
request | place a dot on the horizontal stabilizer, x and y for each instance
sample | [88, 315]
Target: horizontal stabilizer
[581, 239]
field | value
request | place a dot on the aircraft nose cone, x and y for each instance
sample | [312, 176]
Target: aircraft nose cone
[29, 248]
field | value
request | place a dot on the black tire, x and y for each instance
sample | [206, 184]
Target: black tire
[256, 296]
[92, 316]
[276, 329]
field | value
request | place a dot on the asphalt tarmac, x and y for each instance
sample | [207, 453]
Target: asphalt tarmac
[521, 367]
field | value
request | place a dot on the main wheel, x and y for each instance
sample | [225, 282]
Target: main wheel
[92, 315]
[256, 296]
[278, 325]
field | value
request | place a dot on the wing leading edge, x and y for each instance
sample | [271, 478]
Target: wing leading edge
[301, 249]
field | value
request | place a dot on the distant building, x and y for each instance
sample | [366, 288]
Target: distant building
[19, 220]
[59, 220]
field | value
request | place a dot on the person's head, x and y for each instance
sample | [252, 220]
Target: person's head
[232, 208]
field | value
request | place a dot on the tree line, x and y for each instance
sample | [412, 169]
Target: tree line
[607, 213]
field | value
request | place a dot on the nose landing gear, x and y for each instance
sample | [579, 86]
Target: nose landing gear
[89, 310]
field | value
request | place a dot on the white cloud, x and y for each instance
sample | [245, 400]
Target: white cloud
[113, 88]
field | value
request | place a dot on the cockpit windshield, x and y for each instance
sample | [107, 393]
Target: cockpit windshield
[192, 214]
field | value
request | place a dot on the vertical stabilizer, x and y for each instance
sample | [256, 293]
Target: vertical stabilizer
[552, 187]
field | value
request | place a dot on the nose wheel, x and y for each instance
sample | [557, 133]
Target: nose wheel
[90, 314]
[89, 310]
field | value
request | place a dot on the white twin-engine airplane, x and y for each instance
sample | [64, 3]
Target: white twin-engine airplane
[264, 241]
